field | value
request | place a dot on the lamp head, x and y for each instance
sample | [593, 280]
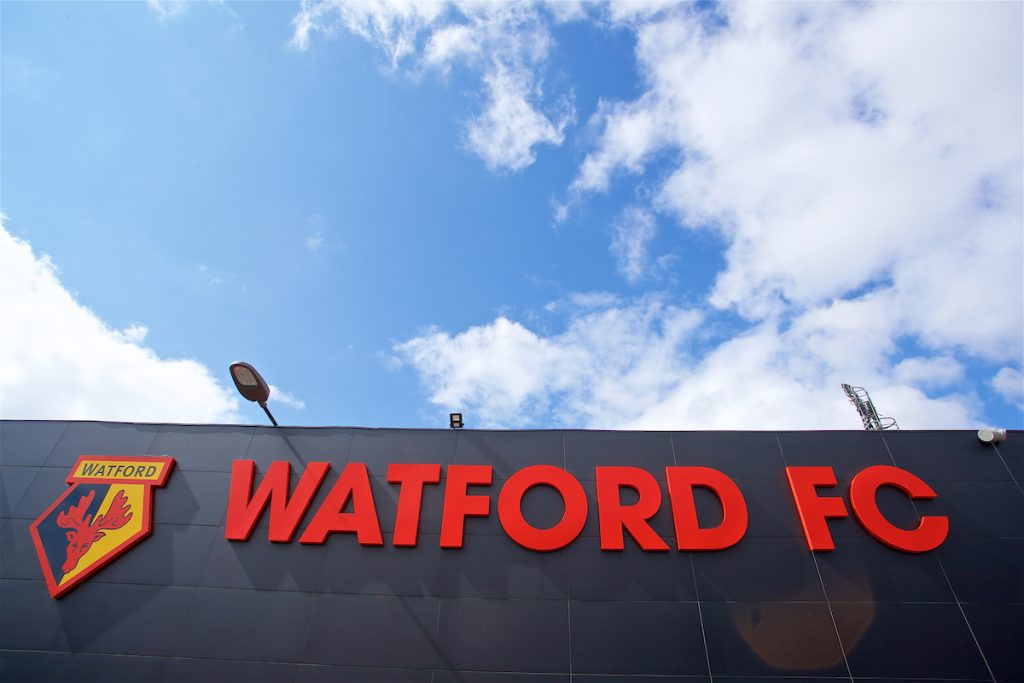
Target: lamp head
[249, 383]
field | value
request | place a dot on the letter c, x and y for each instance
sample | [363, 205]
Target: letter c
[928, 535]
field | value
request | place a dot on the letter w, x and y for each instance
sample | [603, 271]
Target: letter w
[285, 512]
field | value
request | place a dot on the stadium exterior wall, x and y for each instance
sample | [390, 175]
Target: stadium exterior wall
[185, 603]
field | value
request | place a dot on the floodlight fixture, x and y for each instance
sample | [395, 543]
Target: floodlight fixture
[869, 416]
[988, 435]
[251, 386]
[455, 420]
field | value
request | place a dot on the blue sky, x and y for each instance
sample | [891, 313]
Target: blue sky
[626, 216]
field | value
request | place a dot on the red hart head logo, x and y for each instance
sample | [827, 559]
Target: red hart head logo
[107, 510]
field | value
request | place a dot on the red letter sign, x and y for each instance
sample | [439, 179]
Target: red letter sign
[815, 511]
[355, 482]
[689, 535]
[929, 534]
[525, 534]
[410, 498]
[615, 516]
[285, 512]
[458, 504]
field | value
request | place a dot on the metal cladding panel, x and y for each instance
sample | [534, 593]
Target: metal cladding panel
[187, 604]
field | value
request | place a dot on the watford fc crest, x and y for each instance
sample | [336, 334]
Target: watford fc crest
[107, 510]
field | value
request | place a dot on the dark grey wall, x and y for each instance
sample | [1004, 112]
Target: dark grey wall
[186, 604]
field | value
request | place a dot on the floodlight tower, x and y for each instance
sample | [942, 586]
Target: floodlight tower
[866, 409]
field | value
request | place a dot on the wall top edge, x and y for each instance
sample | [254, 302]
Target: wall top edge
[292, 428]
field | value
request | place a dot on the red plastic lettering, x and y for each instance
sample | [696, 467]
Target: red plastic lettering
[353, 482]
[616, 517]
[815, 511]
[458, 504]
[928, 535]
[689, 535]
[285, 512]
[525, 534]
[410, 498]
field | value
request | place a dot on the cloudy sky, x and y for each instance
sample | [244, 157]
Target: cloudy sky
[636, 215]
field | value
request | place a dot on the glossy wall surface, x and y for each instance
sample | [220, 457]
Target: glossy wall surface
[186, 604]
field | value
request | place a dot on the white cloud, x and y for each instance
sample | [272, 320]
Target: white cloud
[939, 371]
[283, 398]
[315, 241]
[634, 228]
[593, 373]
[505, 134]
[58, 360]
[506, 43]
[645, 365]
[861, 162]
[167, 9]
[210, 275]
[133, 334]
[630, 133]
[449, 43]
[838, 147]
[1009, 383]
[593, 299]
[393, 26]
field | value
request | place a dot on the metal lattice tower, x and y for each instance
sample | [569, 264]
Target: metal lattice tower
[866, 409]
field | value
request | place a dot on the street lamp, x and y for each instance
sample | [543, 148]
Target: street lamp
[251, 386]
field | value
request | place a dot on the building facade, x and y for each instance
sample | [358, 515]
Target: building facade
[184, 602]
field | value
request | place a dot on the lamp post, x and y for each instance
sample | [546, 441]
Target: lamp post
[251, 386]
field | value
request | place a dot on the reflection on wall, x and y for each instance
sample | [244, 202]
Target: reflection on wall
[785, 637]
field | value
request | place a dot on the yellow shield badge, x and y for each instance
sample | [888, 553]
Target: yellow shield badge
[107, 510]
